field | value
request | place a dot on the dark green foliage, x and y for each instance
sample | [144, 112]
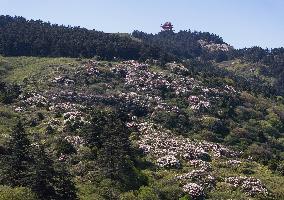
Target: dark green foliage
[45, 173]
[36, 38]
[273, 59]
[260, 152]
[8, 92]
[215, 75]
[64, 147]
[17, 165]
[21, 37]
[63, 184]
[27, 166]
[40, 116]
[179, 122]
[109, 134]
[183, 44]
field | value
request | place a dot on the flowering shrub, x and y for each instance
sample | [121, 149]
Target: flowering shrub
[194, 190]
[34, 99]
[250, 185]
[168, 161]
[159, 142]
[74, 119]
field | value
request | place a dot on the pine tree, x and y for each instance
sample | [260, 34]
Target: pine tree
[16, 166]
[110, 135]
[63, 184]
[32, 168]
[45, 173]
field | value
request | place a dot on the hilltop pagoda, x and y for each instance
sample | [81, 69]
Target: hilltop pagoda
[167, 26]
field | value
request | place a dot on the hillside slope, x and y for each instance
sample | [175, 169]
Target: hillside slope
[130, 130]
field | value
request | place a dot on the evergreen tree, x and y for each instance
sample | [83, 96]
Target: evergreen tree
[24, 166]
[45, 173]
[53, 181]
[16, 166]
[64, 186]
[110, 135]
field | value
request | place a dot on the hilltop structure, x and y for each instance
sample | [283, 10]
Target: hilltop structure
[167, 26]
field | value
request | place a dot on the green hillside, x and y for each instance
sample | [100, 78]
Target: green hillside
[141, 130]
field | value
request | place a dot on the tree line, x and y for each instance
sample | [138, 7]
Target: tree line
[21, 37]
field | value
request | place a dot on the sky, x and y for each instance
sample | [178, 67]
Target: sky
[241, 23]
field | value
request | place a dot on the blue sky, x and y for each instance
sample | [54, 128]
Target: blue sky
[242, 23]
